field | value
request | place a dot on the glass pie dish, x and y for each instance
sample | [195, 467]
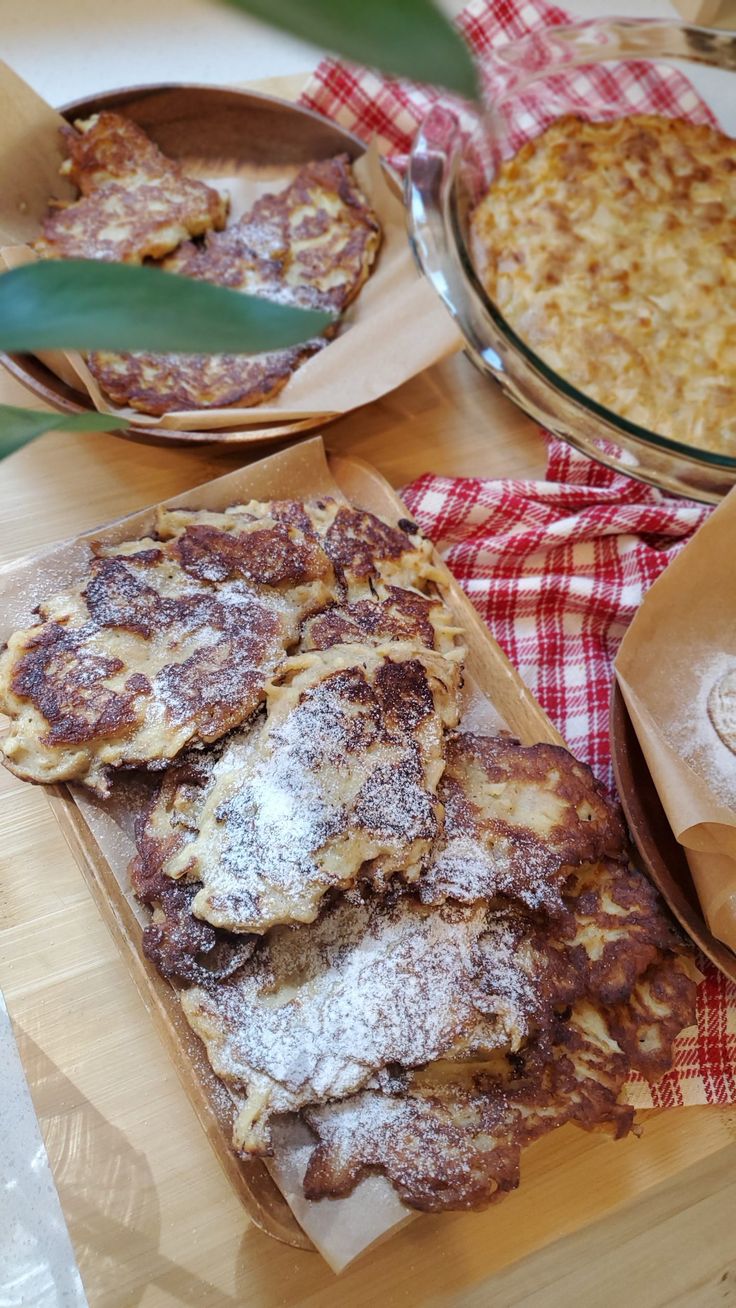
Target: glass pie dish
[531, 83]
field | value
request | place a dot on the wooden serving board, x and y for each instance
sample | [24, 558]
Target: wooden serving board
[302, 471]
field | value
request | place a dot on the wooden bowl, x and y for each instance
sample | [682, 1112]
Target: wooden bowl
[661, 853]
[206, 123]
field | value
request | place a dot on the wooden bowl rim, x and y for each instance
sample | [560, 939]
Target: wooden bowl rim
[31, 373]
[660, 852]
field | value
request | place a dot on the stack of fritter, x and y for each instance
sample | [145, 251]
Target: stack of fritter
[428, 943]
[311, 245]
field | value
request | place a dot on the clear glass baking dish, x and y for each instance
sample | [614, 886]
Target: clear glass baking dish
[452, 165]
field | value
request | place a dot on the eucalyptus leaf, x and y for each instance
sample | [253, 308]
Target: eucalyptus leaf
[405, 38]
[18, 426]
[83, 304]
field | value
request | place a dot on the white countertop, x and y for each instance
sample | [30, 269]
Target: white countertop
[70, 48]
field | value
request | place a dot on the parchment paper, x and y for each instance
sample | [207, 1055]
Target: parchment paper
[394, 329]
[681, 642]
[340, 1229]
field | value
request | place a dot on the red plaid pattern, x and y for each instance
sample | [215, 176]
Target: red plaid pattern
[389, 112]
[556, 568]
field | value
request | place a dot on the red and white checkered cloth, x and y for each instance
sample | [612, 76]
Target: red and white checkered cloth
[389, 112]
[557, 568]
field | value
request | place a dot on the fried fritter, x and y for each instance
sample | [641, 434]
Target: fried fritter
[515, 817]
[390, 613]
[362, 546]
[180, 945]
[320, 1009]
[660, 1005]
[452, 1137]
[614, 928]
[339, 781]
[609, 952]
[168, 383]
[330, 233]
[562, 1005]
[164, 644]
[312, 245]
[364, 549]
[135, 204]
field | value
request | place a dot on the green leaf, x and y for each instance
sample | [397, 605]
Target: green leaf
[83, 304]
[18, 426]
[405, 38]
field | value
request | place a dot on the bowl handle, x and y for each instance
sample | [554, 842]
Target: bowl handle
[428, 199]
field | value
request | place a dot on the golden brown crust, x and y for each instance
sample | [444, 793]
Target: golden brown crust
[516, 816]
[329, 229]
[453, 1138]
[167, 383]
[180, 945]
[402, 615]
[338, 783]
[356, 541]
[272, 556]
[136, 204]
[617, 927]
[610, 247]
[65, 680]
[660, 1005]
[450, 1135]
[608, 955]
[311, 245]
[166, 643]
[374, 984]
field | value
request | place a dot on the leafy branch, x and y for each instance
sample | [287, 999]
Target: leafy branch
[404, 38]
[18, 426]
[82, 304]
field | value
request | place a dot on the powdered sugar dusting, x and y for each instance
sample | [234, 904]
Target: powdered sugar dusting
[323, 788]
[472, 864]
[693, 733]
[320, 1009]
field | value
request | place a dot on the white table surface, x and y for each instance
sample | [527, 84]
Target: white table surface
[71, 48]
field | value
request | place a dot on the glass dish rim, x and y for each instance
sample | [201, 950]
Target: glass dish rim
[696, 454]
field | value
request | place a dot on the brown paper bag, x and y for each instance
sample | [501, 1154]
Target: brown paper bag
[394, 329]
[681, 645]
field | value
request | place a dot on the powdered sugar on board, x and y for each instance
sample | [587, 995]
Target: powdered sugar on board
[694, 735]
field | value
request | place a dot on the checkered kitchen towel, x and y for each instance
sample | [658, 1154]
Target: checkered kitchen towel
[557, 568]
[389, 112]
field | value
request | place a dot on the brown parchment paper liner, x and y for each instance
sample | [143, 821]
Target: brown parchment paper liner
[394, 329]
[681, 642]
[340, 1229]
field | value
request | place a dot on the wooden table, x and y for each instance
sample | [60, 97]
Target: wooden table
[152, 1218]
